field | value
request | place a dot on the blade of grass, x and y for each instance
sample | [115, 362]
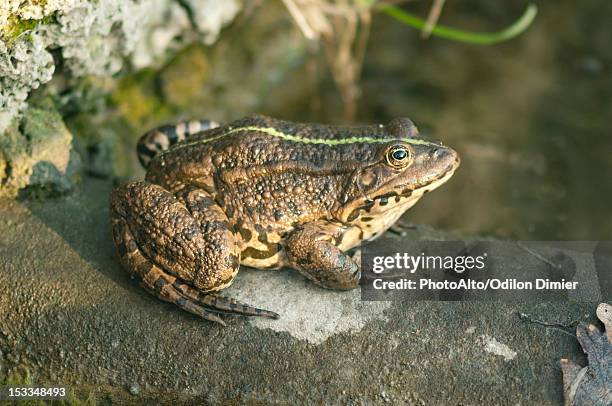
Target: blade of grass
[510, 32]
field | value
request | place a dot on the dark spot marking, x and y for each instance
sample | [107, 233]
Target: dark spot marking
[294, 208]
[122, 250]
[235, 261]
[251, 252]
[159, 284]
[143, 149]
[306, 261]
[339, 238]
[246, 234]
[278, 214]
[354, 214]
[181, 302]
[387, 195]
[384, 201]
[368, 205]
[169, 132]
[205, 202]
[366, 219]
[262, 235]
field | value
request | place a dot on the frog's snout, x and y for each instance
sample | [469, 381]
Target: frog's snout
[446, 158]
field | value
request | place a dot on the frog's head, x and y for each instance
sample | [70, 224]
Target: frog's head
[405, 167]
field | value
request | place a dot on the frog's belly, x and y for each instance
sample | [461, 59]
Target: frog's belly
[263, 251]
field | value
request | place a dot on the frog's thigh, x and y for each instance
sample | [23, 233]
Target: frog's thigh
[312, 252]
[202, 252]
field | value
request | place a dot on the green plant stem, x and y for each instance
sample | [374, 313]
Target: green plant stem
[512, 31]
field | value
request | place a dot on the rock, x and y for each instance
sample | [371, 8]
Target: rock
[134, 389]
[69, 271]
[22, 68]
[94, 38]
[37, 151]
[209, 16]
[182, 81]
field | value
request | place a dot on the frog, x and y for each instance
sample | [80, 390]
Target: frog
[268, 194]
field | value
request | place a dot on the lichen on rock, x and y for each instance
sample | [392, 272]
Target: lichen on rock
[94, 38]
[23, 68]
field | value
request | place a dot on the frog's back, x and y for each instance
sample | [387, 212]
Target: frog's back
[260, 141]
[254, 141]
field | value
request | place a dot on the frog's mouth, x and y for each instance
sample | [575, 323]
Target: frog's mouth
[400, 199]
[427, 185]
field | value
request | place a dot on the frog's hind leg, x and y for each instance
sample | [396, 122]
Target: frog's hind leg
[161, 138]
[166, 238]
[153, 278]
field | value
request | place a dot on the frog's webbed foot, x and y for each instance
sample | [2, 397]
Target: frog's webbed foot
[314, 254]
[169, 252]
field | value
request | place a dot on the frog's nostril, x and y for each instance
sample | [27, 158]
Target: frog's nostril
[437, 153]
[444, 155]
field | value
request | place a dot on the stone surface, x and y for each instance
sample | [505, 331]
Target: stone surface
[70, 314]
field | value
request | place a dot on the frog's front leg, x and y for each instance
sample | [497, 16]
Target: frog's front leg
[178, 255]
[312, 250]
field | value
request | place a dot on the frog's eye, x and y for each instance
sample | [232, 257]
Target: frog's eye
[399, 156]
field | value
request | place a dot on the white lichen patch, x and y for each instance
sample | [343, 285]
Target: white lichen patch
[492, 346]
[94, 38]
[308, 312]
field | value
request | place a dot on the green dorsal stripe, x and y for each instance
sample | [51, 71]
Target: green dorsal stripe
[294, 138]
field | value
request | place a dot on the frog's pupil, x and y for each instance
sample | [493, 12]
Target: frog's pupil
[399, 154]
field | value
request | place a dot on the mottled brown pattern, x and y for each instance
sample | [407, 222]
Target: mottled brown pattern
[266, 193]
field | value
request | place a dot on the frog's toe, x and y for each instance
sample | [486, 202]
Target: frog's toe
[164, 286]
[223, 304]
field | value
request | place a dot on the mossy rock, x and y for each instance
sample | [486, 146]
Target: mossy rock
[138, 100]
[183, 79]
[36, 151]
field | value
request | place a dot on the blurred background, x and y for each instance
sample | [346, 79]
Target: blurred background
[530, 116]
